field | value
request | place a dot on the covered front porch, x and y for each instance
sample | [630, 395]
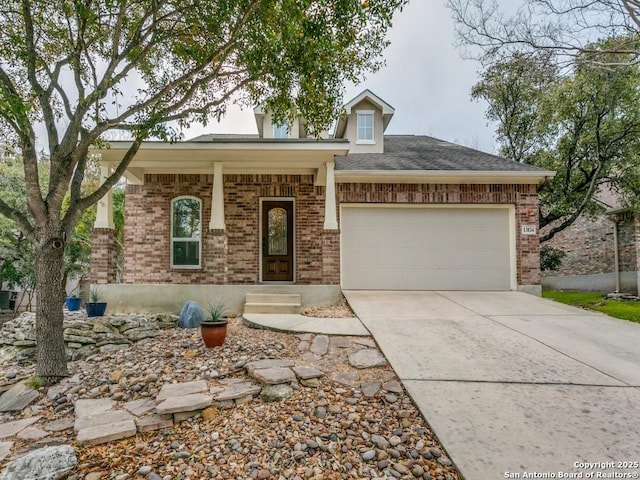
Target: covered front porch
[235, 195]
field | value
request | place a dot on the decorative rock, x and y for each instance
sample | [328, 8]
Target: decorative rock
[370, 389]
[238, 391]
[273, 376]
[55, 391]
[380, 442]
[5, 449]
[60, 424]
[8, 429]
[32, 433]
[276, 393]
[320, 345]
[145, 470]
[368, 455]
[49, 463]
[320, 412]
[17, 398]
[140, 407]
[169, 390]
[191, 315]
[391, 398]
[312, 382]
[345, 378]
[93, 407]
[417, 471]
[149, 423]
[115, 376]
[209, 413]
[392, 386]
[367, 358]
[110, 416]
[108, 432]
[268, 363]
[340, 342]
[95, 475]
[184, 403]
[306, 373]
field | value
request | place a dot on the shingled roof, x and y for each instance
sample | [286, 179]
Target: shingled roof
[423, 153]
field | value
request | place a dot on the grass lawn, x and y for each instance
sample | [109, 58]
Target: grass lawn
[627, 310]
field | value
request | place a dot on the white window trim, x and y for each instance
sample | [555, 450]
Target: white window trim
[360, 141]
[174, 239]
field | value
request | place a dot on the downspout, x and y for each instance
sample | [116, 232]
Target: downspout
[616, 253]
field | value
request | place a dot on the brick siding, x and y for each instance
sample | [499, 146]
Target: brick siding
[232, 256]
[103, 255]
[588, 245]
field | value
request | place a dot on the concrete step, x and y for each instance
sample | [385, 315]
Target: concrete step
[271, 308]
[273, 298]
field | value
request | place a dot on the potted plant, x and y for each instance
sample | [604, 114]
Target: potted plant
[214, 328]
[73, 301]
[9, 276]
[95, 308]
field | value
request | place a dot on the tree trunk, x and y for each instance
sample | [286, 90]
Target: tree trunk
[51, 356]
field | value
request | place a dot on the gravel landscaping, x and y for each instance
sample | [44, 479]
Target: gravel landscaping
[349, 423]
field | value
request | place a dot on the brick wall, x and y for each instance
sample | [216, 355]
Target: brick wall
[524, 197]
[233, 256]
[103, 255]
[589, 246]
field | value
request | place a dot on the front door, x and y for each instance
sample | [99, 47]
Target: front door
[277, 241]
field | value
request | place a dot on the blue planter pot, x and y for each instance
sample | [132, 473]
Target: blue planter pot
[73, 303]
[96, 309]
[5, 295]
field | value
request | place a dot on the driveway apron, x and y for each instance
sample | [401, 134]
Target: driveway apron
[515, 386]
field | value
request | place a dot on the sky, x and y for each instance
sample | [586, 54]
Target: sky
[425, 80]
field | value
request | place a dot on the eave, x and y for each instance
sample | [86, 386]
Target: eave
[443, 176]
[292, 156]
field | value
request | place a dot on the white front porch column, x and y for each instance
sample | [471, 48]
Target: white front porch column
[217, 199]
[330, 214]
[104, 214]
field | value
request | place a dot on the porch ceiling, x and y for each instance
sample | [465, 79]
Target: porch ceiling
[301, 157]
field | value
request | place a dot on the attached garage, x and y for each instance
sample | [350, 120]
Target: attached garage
[427, 247]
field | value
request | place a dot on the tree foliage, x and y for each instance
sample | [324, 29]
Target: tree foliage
[584, 124]
[78, 69]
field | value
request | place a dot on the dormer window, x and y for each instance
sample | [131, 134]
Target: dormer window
[280, 131]
[365, 126]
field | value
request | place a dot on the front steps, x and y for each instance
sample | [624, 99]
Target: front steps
[272, 303]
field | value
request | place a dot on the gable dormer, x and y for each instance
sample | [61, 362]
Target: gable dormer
[365, 119]
[268, 129]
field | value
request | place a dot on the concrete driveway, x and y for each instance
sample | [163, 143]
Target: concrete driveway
[513, 383]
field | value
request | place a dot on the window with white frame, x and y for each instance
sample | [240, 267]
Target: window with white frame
[280, 131]
[365, 126]
[185, 232]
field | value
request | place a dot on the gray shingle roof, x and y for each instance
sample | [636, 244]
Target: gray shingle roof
[412, 152]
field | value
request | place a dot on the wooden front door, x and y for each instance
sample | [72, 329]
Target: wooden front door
[277, 241]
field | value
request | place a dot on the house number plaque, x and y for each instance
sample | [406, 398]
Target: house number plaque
[528, 229]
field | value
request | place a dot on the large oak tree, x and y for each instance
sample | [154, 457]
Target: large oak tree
[583, 123]
[71, 71]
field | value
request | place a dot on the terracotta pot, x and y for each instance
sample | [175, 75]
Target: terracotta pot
[213, 333]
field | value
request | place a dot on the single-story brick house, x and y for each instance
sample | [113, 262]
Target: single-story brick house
[602, 253]
[277, 211]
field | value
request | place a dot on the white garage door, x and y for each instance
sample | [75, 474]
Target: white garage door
[403, 248]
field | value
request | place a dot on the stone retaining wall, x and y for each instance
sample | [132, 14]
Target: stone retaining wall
[83, 335]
